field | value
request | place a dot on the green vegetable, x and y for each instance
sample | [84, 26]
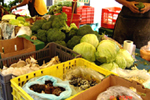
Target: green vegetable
[67, 3]
[37, 25]
[14, 22]
[59, 21]
[63, 43]
[72, 32]
[120, 60]
[47, 25]
[85, 29]
[21, 18]
[34, 28]
[124, 59]
[41, 35]
[140, 5]
[87, 50]
[73, 41]
[55, 35]
[109, 66]
[26, 24]
[106, 51]
[90, 38]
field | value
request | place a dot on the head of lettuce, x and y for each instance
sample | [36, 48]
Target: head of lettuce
[106, 51]
[87, 50]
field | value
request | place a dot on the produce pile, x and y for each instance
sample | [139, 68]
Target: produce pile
[119, 93]
[19, 21]
[133, 75]
[74, 81]
[57, 7]
[105, 53]
[81, 78]
[47, 88]
[29, 65]
[55, 29]
[12, 26]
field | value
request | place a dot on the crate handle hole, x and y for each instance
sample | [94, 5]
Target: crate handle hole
[18, 79]
[41, 72]
[22, 83]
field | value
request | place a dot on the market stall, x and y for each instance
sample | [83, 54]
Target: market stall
[60, 56]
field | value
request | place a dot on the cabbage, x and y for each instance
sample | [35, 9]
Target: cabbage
[124, 59]
[120, 60]
[87, 50]
[109, 66]
[90, 38]
[106, 51]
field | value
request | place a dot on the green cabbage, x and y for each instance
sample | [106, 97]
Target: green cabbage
[109, 66]
[87, 50]
[90, 38]
[124, 59]
[120, 60]
[106, 51]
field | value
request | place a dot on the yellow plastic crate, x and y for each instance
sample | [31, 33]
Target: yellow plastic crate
[57, 71]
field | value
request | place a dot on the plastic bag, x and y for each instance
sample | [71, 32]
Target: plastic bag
[120, 91]
[42, 96]
[24, 30]
[82, 78]
[141, 76]
[7, 30]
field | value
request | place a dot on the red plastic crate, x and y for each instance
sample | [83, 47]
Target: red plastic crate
[88, 20]
[67, 9]
[84, 11]
[75, 16]
[109, 16]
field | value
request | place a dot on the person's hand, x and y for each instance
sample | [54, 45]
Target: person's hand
[146, 8]
[13, 7]
[132, 7]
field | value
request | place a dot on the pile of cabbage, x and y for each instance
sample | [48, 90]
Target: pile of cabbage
[106, 52]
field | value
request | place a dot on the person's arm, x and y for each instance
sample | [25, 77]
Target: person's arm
[130, 5]
[24, 2]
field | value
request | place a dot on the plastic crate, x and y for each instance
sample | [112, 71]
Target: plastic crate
[87, 20]
[48, 52]
[76, 19]
[109, 16]
[57, 71]
[86, 12]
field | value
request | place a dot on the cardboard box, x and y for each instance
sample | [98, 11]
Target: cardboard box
[38, 44]
[112, 80]
[16, 46]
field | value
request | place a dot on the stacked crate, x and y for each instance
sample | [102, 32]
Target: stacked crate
[108, 19]
[86, 12]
